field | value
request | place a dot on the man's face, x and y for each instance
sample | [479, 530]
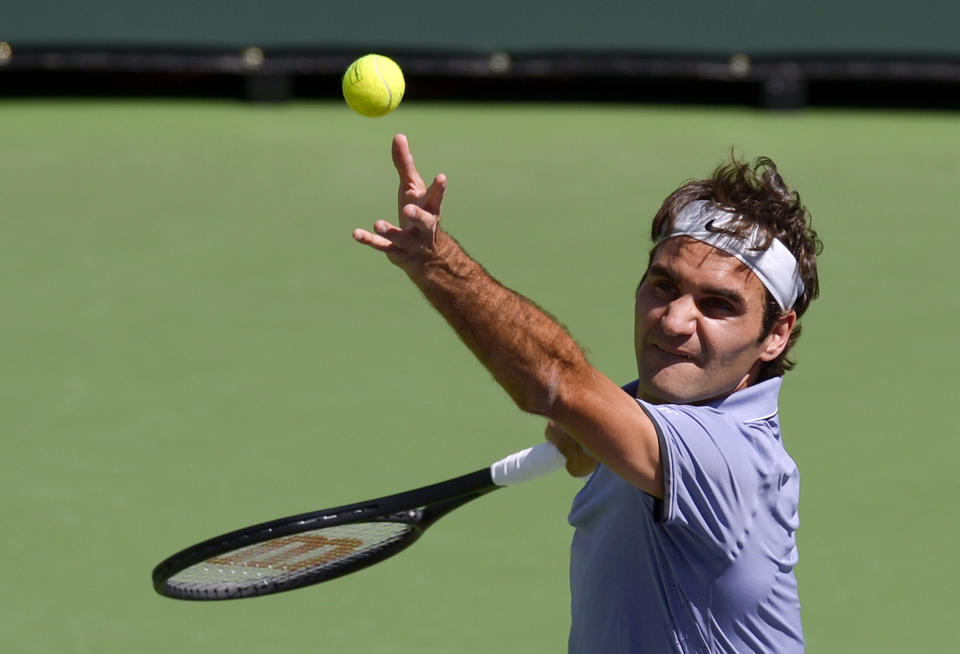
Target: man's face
[699, 317]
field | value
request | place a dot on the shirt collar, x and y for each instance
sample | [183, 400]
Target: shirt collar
[757, 402]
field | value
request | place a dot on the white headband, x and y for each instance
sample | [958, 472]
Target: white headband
[776, 266]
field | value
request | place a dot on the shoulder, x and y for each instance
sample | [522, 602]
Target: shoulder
[715, 457]
[691, 424]
[743, 413]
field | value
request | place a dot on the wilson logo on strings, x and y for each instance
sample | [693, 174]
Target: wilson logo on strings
[292, 552]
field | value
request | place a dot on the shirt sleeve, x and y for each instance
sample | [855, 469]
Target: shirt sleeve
[706, 468]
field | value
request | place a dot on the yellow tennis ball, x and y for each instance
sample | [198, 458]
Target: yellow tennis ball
[373, 85]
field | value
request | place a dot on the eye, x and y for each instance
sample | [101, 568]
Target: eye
[717, 306]
[663, 287]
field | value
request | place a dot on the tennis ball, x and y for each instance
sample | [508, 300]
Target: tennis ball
[373, 85]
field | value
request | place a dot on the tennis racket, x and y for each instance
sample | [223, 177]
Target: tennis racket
[310, 548]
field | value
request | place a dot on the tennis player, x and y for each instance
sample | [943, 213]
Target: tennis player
[685, 531]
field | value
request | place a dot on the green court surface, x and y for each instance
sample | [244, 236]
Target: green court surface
[191, 342]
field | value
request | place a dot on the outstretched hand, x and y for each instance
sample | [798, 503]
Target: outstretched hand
[418, 214]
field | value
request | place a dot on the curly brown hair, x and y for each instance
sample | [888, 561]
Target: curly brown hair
[762, 200]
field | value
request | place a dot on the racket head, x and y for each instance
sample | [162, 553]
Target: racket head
[310, 548]
[283, 558]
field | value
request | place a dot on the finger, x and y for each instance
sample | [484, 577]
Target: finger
[579, 463]
[382, 230]
[375, 241]
[418, 220]
[555, 434]
[410, 180]
[410, 238]
[434, 196]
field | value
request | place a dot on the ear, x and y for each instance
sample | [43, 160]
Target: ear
[775, 342]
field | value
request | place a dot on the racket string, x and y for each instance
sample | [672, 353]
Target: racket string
[284, 559]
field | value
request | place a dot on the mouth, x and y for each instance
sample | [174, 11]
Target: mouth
[674, 353]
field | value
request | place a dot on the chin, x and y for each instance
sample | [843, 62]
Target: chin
[658, 395]
[677, 385]
[683, 382]
[666, 388]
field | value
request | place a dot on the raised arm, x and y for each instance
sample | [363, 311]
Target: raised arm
[527, 351]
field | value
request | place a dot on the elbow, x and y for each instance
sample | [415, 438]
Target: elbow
[553, 386]
[539, 401]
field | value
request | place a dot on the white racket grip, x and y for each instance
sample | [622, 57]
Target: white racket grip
[527, 464]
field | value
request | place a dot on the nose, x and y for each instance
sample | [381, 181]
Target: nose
[680, 318]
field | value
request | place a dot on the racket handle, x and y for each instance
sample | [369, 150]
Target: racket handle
[527, 464]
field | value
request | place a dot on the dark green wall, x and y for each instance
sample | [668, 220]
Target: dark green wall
[759, 27]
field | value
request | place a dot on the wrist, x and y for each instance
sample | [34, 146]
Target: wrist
[447, 262]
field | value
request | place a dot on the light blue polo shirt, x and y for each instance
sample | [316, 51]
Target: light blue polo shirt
[710, 567]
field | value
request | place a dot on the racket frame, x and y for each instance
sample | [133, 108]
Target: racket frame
[419, 508]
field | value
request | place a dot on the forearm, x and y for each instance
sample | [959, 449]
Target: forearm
[537, 362]
[527, 351]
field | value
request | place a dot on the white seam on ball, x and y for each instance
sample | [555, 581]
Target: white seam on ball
[386, 86]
